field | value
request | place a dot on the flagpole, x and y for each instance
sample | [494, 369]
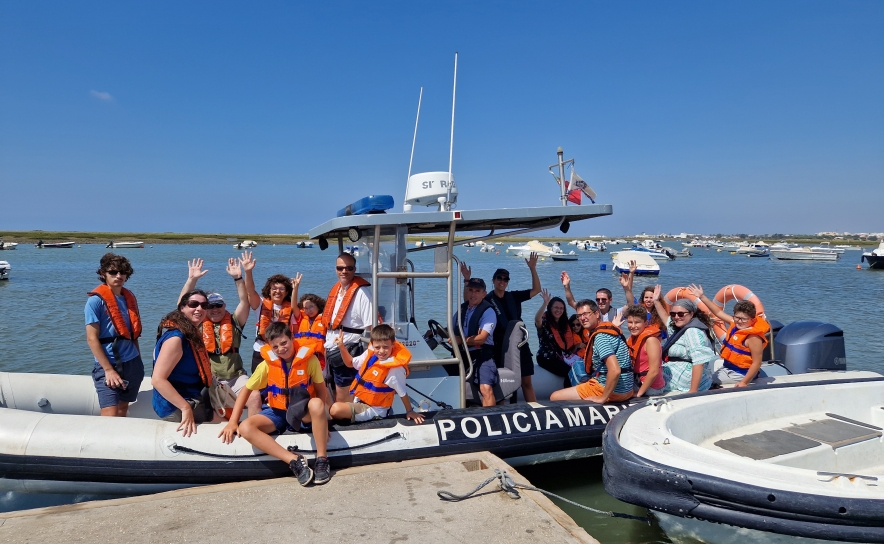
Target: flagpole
[562, 176]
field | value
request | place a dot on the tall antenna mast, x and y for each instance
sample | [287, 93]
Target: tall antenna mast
[451, 146]
[413, 140]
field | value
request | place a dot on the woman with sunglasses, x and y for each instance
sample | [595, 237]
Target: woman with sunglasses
[182, 372]
[688, 355]
[113, 326]
[274, 302]
[744, 343]
[555, 336]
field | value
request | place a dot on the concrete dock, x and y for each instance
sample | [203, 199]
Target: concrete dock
[393, 502]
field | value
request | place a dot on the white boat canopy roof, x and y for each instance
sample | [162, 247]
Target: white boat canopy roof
[465, 220]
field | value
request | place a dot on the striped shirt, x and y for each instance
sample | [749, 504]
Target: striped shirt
[603, 347]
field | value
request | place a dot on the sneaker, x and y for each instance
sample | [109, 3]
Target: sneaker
[323, 470]
[301, 470]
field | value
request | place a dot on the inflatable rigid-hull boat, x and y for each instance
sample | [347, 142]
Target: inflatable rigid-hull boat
[794, 462]
[52, 442]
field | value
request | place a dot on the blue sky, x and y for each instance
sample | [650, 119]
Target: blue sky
[268, 117]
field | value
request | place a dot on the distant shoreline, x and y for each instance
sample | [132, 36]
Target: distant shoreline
[156, 238]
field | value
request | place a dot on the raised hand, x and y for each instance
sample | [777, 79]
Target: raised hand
[195, 269]
[544, 294]
[696, 290]
[657, 289]
[566, 279]
[633, 266]
[247, 261]
[531, 261]
[296, 281]
[618, 320]
[624, 281]
[233, 268]
[466, 271]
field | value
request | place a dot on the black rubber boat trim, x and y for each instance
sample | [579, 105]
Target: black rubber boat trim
[640, 481]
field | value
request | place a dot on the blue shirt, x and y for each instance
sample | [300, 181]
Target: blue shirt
[96, 312]
[487, 322]
[185, 377]
[603, 347]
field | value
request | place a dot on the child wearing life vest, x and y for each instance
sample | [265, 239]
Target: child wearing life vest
[645, 350]
[113, 325]
[307, 325]
[274, 303]
[296, 393]
[380, 374]
[744, 343]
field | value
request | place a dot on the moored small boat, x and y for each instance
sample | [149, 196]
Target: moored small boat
[56, 245]
[5, 267]
[7, 246]
[875, 258]
[645, 265]
[793, 461]
[124, 245]
[803, 254]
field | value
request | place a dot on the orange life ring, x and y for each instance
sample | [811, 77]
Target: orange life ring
[738, 292]
[719, 326]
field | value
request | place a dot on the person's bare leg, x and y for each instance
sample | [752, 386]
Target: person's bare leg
[110, 411]
[122, 409]
[318, 417]
[487, 395]
[341, 410]
[566, 394]
[256, 429]
[254, 403]
[342, 394]
[528, 389]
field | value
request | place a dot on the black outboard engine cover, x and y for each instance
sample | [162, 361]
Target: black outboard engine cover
[775, 328]
[810, 346]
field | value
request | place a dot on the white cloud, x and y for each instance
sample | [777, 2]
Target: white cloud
[104, 97]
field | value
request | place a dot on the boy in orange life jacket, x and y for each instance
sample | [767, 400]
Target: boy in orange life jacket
[288, 372]
[744, 343]
[381, 373]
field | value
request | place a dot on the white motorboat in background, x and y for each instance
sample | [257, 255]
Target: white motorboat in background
[304, 244]
[5, 267]
[124, 245]
[826, 246]
[645, 264]
[534, 246]
[245, 244]
[486, 248]
[756, 249]
[7, 246]
[803, 254]
[589, 245]
[847, 247]
[57, 245]
[797, 460]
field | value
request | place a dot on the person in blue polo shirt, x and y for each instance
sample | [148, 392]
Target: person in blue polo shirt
[478, 320]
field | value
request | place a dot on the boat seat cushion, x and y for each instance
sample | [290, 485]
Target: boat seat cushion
[766, 444]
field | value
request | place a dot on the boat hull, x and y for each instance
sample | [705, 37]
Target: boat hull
[49, 450]
[724, 495]
[876, 262]
[804, 256]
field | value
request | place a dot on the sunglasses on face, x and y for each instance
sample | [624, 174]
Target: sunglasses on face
[214, 306]
[197, 304]
[502, 278]
[347, 268]
[678, 314]
[114, 273]
[601, 300]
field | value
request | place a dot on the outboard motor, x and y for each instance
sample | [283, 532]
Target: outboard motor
[810, 346]
[775, 327]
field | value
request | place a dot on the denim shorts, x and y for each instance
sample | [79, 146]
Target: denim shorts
[131, 371]
[277, 416]
[486, 373]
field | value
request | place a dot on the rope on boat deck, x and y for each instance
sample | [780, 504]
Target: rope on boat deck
[293, 449]
[510, 487]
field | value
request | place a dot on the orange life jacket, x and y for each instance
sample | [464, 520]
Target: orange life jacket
[563, 343]
[348, 298]
[637, 343]
[734, 349]
[369, 384]
[602, 328]
[226, 330]
[113, 310]
[312, 335]
[281, 381]
[265, 318]
[203, 365]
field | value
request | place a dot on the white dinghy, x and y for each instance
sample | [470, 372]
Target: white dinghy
[801, 460]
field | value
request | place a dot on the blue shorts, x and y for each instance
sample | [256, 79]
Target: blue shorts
[486, 373]
[132, 371]
[277, 416]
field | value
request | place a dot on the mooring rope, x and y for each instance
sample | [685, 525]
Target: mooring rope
[510, 487]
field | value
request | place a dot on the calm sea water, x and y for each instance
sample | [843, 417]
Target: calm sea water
[42, 327]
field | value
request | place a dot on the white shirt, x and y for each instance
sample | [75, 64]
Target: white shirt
[357, 316]
[395, 378]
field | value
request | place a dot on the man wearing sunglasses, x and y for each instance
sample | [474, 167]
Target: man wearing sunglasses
[348, 312]
[223, 332]
[507, 307]
[113, 326]
[603, 299]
